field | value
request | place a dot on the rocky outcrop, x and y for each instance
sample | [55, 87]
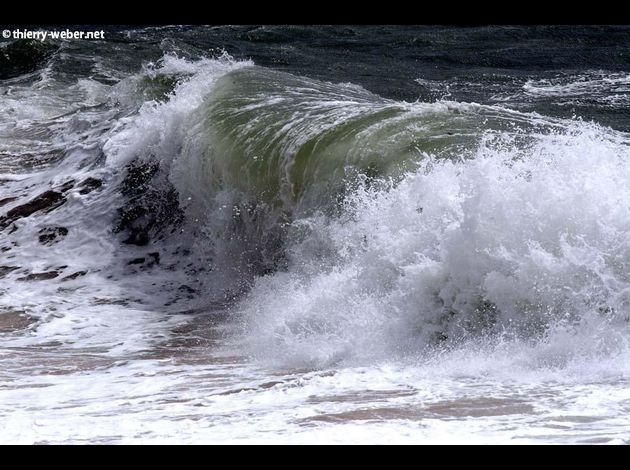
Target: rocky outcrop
[50, 235]
[44, 202]
[90, 184]
[7, 200]
[39, 276]
[152, 206]
[74, 275]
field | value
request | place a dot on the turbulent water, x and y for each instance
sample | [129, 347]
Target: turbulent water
[316, 235]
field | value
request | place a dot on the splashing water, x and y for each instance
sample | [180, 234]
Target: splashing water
[206, 250]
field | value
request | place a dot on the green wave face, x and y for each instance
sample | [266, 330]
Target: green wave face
[297, 143]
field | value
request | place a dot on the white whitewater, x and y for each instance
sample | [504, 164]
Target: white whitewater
[478, 295]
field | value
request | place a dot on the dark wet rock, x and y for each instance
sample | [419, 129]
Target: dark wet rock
[13, 320]
[155, 257]
[23, 56]
[152, 207]
[4, 249]
[39, 276]
[46, 201]
[187, 289]
[74, 275]
[67, 186]
[50, 235]
[4, 270]
[139, 176]
[90, 184]
[13, 229]
[109, 301]
[148, 261]
[7, 200]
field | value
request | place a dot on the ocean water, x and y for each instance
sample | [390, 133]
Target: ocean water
[316, 234]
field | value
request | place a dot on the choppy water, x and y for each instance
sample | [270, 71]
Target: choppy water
[316, 235]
